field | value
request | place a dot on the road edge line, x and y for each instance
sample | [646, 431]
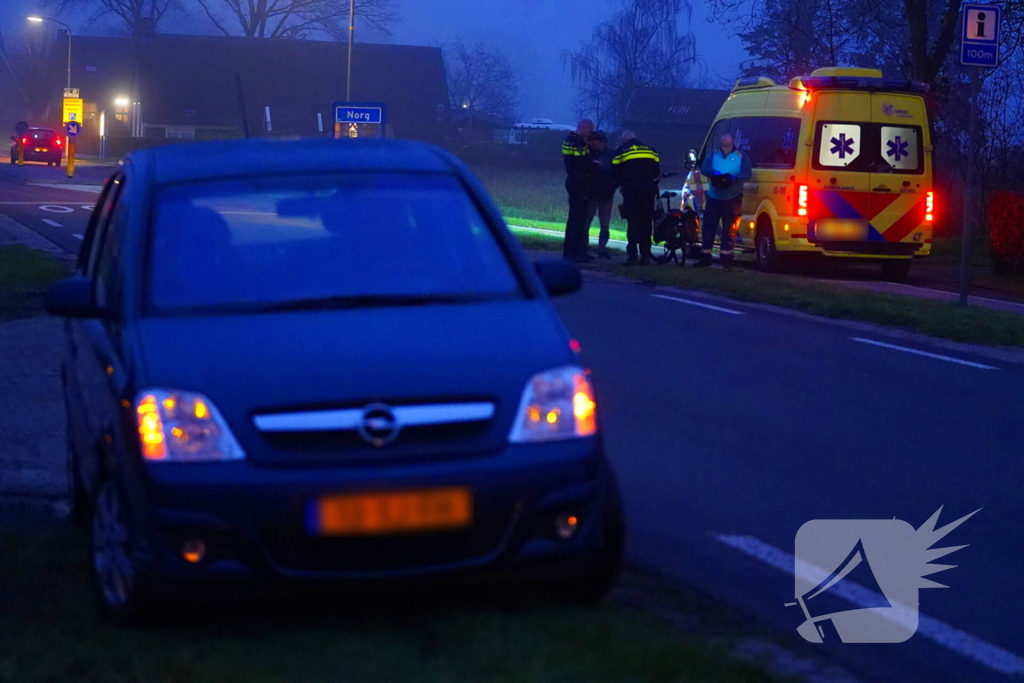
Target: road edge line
[1006, 354]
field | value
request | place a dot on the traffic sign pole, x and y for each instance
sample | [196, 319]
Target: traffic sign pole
[979, 48]
[970, 199]
[21, 152]
[71, 157]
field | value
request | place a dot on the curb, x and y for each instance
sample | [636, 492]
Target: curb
[30, 238]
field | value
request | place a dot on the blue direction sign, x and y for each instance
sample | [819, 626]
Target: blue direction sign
[73, 129]
[358, 112]
[979, 41]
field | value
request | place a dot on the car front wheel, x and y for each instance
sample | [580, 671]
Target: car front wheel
[122, 592]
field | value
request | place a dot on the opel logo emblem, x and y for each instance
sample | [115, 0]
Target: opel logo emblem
[379, 426]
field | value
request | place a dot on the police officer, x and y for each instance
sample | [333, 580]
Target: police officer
[637, 169]
[579, 166]
[727, 168]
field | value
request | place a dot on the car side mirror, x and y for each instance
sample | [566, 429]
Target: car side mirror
[73, 298]
[691, 160]
[559, 277]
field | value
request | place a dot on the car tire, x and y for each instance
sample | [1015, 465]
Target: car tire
[57, 164]
[896, 270]
[123, 593]
[597, 579]
[769, 260]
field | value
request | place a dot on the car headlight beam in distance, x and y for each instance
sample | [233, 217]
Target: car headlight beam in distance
[182, 426]
[556, 405]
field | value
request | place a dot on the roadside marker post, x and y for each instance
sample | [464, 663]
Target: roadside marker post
[73, 130]
[979, 49]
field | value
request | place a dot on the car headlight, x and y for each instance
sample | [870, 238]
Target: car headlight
[558, 404]
[180, 426]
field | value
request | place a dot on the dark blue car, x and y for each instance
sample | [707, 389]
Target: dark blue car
[324, 360]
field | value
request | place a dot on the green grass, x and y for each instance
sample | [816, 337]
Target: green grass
[51, 632]
[24, 276]
[971, 325]
[535, 198]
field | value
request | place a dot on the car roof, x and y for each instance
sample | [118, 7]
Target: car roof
[45, 130]
[227, 158]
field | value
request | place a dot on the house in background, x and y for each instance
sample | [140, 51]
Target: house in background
[475, 127]
[177, 87]
[674, 120]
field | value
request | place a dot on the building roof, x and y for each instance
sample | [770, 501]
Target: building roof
[682, 106]
[231, 158]
[194, 81]
[471, 117]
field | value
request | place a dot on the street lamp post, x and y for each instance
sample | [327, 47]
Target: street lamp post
[39, 20]
[351, 39]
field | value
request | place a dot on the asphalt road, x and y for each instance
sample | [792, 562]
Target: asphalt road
[46, 201]
[732, 427]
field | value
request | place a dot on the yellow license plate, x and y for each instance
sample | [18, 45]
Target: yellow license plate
[369, 514]
[840, 229]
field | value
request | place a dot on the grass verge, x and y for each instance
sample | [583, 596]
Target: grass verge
[972, 325]
[51, 632]
[25, 275]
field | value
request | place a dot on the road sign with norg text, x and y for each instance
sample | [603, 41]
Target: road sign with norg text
[359, 112]
[73, 109]
[979, 41]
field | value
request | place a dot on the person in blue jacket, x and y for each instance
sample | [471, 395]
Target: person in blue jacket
[727, 168]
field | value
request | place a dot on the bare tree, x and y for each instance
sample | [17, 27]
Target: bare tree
[481, 80]
[297, 18]
[641, 46]
[31, 73]
[137, 16]
[794, 37]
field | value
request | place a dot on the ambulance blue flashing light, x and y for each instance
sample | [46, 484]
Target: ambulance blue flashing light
[854, 83]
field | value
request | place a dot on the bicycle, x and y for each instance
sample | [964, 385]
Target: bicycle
[677, 229]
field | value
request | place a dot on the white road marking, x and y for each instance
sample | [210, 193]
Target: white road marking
[78, 237]
[697, 303]
[56, 208]
[926, 354]
[52, 222]
[94, 189]
[88, 207]
[961, 642]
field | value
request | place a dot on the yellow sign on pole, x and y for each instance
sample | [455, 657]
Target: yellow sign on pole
[73, 109]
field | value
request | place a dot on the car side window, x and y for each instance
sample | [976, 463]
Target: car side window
[102, 241]
[89, 240]
[108, 268]
[99, 225]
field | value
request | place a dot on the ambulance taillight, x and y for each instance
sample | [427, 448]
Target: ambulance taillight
[929, 206]
[801, 200]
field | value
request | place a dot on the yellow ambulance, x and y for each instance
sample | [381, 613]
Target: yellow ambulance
[842, 167]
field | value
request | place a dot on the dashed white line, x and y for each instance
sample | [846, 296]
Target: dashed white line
[926, 354]
[961, 642]
[697, 303]
[51, 222]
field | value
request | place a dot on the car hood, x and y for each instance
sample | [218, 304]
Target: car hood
[256, 363]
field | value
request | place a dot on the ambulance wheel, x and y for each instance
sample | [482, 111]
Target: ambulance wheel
[896, 270]
[768, 258]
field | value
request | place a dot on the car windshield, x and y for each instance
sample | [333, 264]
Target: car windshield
[289, 242]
